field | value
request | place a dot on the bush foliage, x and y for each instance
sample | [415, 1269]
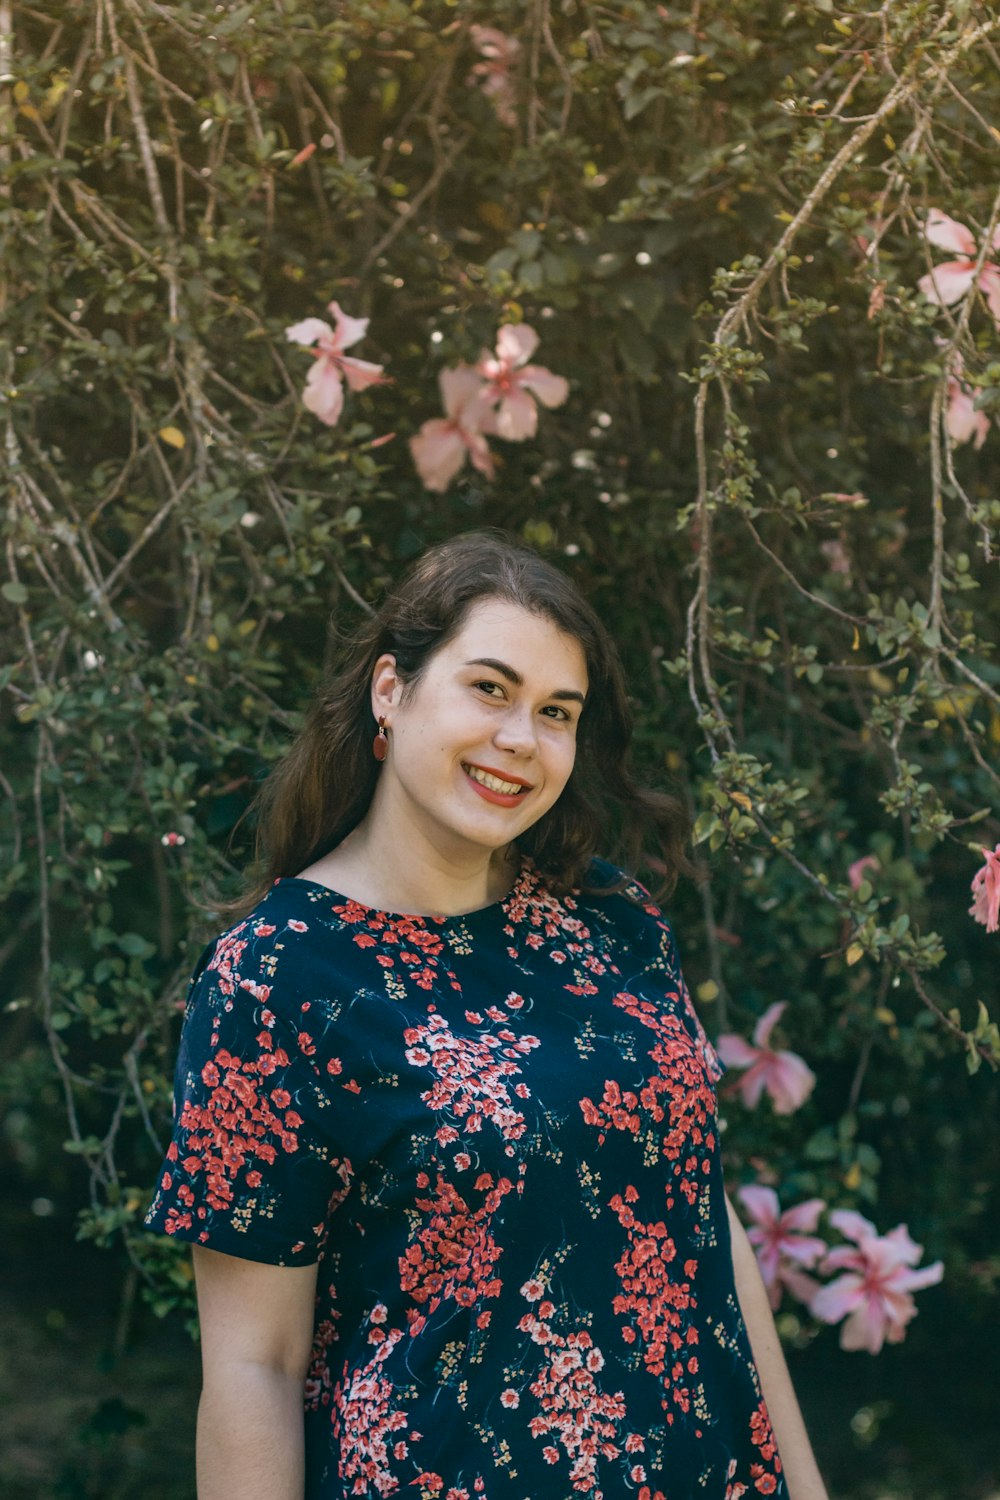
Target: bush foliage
[714, 216]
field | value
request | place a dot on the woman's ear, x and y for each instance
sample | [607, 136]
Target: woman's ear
[387, 686]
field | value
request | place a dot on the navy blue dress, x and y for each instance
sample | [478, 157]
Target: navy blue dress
[497, 1135]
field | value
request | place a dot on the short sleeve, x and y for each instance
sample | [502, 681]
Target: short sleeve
[251, 1168]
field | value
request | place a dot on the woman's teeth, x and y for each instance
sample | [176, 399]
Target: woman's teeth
[507, 788]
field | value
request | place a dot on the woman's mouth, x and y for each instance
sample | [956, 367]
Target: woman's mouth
[493, 787]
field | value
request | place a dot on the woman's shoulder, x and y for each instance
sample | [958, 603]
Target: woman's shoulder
[622, 905]
[273, 945]
[607, 884]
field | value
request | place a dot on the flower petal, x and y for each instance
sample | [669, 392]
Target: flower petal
[985, 906]
[551, 390]
[479, 452]
[804, 1288]
[790, 1081]
[360, 373]
[761, 1203]
[516, 417]
[853, 1226]
[865, 1328]
[516, 343]
[804, 1215]
[459, 386]
[347, 330]
[324, 392]
[961, 419]
[439, 452]
[949, 234]
[767, 1022]
[845, 1258]
[856, 871]
[948, 282]
[901, 1239]
[735, 1051]
[925, 1276]
[309, 331]
[838, 1298]
[751, 1085]
[990, 284]
[803, 1249]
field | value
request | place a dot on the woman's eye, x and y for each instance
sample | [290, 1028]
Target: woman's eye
[555, 712]
[492, 688]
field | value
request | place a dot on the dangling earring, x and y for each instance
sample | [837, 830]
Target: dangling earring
[380, 744]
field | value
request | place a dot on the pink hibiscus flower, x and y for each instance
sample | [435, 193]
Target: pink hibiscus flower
[784, 1075]
[782, 1245]
[500, 54]
[949, 281]
[509, 379]
[873, 1295]
[986, 891]
[324, 392]
[442, 445]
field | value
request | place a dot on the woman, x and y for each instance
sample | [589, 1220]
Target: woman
[446, 1142]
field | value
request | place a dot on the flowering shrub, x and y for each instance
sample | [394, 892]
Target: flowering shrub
[758, 250]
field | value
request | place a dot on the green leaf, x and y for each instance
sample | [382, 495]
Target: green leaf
[135, 946]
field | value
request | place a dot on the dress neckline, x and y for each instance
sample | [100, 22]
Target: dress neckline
[439, 919]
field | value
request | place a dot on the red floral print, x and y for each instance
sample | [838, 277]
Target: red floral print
[365, 1417]
[471, 1074]
[453, 1255]
[361, 1090]
[573, 1412]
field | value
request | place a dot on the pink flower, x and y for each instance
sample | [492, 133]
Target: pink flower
[949, 281]
[324, 392]
[442, 445]
[509, 379]
[783, 1074]
[500, 54]
[782, 1247]
[856, 871]
[961, 418]
[986, 891]
[874, 1293]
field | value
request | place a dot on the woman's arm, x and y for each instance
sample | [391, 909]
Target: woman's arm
[256, 1335]
[801, 1474]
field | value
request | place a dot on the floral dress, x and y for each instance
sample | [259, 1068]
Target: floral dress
[496, 1133]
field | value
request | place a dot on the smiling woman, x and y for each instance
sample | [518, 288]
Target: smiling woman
[446, 1138]
[481, 750]
[443, 643]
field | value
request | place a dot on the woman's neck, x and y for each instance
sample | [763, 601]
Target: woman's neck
[398, 870]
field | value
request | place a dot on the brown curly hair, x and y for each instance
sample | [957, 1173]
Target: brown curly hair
[323, 786]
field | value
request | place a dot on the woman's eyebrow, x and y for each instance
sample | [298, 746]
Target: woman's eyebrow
[561, 695]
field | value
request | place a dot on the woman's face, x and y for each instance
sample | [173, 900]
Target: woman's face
[484, 741]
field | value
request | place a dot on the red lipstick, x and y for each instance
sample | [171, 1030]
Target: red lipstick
[500, 799]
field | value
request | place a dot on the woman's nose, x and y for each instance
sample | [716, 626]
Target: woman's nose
[516, 732]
